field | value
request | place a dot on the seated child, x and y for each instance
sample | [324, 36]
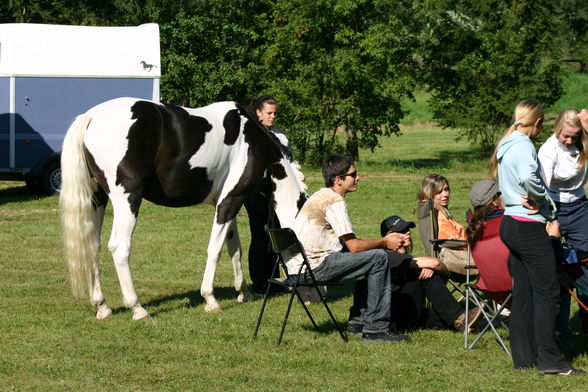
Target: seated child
[410, 288]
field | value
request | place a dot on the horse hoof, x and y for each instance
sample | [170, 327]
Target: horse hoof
[140, 314]
[103, 314]
[244, 297]
[212, 308]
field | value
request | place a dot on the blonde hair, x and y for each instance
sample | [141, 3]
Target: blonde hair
[526, 114]
[570, 116]
[432, 185]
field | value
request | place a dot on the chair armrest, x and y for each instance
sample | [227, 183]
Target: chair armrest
[452, 244]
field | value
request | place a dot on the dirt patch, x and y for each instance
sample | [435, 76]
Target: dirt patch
[418, 125]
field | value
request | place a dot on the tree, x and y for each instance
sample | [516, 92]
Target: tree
[211, 51]
[480, 58]
[573, 32]
[339, 68]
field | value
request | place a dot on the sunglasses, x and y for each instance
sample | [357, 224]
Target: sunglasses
[352, 175]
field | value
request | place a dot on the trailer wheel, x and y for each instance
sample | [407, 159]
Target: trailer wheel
[51, 178]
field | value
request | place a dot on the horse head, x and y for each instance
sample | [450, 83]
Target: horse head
[289, 192]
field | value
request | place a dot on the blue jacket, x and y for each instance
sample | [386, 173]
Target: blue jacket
[519, 174]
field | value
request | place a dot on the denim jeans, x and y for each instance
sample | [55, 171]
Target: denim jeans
[371, 265]
[572, 218]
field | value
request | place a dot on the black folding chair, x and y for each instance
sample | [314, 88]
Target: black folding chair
[285, 243]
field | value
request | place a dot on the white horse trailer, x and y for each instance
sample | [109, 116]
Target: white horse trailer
[51, 73]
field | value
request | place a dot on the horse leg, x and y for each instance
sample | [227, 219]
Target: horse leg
[217, 237]
[119, 245]
[96, 295]
[234, 249]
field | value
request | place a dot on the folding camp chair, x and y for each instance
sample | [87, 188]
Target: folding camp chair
[429, 230]
[285, 243]
[572, 264]
[492, 290]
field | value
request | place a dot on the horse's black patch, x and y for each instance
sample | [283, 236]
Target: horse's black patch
[278, 171]
[263, 152]
[232, 124]
[97, 172]
[301, 200]
[160, 144]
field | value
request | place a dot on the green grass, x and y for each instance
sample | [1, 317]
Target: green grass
[418, 112]
[575, 94]
[52, 342]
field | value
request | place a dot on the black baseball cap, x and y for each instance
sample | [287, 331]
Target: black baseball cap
[394, 224]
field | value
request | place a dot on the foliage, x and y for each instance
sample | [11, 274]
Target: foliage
[212, 51]
[344, 70]
[481, 58]
[339, 67]
[572, 20]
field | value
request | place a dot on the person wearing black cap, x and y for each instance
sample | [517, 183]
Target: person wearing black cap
[410, 287]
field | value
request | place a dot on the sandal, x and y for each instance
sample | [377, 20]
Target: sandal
[570, 372]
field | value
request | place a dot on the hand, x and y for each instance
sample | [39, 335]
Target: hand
[394, 241]
[553, 229]
[530, 205]
[583, 116]
[407, 240]
[426, 273]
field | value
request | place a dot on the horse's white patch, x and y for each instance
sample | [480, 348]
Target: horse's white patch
[106, 137]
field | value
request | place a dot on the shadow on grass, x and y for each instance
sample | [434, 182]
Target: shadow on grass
[165, 304]
[158, 305]
[439, 160]
[19, 194]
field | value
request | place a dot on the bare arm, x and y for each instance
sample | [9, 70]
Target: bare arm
[392, 241]
[431, 263]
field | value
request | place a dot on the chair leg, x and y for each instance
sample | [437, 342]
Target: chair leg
[490, 324]
[262, 310]
[339, 329]
[467, 309]
[306, 309]
[287, 314]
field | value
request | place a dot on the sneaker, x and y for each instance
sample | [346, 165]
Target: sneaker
[383, 337]
[354, 329]
[473, 315]
[570, 372]
[259, 290]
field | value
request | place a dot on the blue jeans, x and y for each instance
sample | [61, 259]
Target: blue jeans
[371, 265]
[572, 218]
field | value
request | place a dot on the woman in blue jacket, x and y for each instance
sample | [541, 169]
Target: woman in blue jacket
[532, 262]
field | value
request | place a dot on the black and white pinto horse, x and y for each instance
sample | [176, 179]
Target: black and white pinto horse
[129, 149]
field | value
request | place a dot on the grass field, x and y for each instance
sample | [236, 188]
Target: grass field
[50, 341]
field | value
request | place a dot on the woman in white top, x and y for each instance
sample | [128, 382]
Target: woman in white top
[563, 159]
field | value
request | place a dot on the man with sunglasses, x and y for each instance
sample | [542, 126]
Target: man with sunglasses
[335, 253]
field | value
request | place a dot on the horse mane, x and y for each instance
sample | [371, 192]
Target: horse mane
[287, 153]
[285, 150]
[299, 176]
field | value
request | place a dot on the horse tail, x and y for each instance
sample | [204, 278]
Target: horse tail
[80, 234]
